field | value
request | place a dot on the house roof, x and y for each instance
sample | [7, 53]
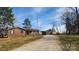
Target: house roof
[15, 28]
[24, 29]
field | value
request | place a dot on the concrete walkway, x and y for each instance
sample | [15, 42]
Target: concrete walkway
[47, 43]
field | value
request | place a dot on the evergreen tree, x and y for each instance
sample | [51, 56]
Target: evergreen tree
[27, 23]
[6, 16]
[27, 26]
[6, 20]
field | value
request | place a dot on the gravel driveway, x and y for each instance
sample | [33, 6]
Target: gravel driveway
[47, 43]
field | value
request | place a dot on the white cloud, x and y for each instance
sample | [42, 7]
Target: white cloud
[37, 9]
[36, 24]
[41, 26]
[57, 19]
[61, 28]
[46, 27]
[59, 13]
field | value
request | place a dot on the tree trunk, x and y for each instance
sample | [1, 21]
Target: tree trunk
[77, 18]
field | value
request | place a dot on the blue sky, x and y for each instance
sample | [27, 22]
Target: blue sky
[46, 17]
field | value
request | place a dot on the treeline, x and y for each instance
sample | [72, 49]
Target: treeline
[71, 20]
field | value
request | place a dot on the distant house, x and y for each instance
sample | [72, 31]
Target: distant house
[21, 31]
[43, 32]
[49, 32]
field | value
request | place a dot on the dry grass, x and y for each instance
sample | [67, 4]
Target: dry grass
[15, 41]
[70, 42]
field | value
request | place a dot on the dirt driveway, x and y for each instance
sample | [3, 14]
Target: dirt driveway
[47, 43]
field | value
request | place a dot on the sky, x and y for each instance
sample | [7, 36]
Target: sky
[47, 17]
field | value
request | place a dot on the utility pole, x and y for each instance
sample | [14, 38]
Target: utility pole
[37, 22]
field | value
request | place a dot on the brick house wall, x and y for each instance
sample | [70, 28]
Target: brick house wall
[16, 31]
[19, 31]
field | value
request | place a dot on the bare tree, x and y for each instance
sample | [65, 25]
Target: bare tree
[76, 21]
[67, 18]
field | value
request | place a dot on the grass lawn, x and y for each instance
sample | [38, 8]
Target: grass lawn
[16, 41]
[69, 42]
